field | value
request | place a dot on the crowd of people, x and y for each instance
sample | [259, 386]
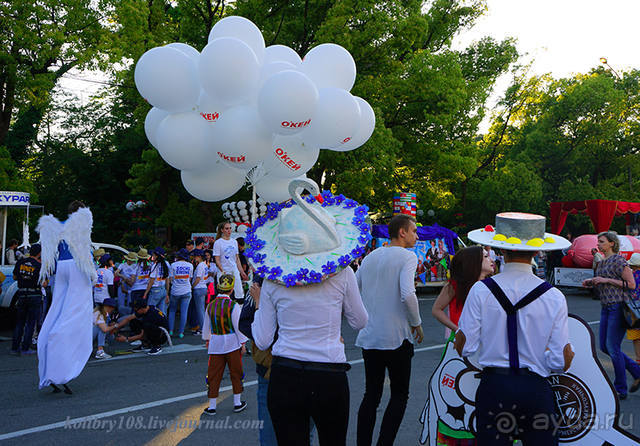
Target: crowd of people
[296, 330]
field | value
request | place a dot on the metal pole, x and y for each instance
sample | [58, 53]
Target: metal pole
[4, 235]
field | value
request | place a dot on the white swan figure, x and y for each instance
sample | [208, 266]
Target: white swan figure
[306, 228]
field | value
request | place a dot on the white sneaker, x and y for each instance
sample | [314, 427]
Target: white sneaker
[101, 354]
[136, 343]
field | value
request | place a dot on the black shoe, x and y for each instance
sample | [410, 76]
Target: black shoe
[208, 411]
[154, 351]
[56, 389]
[622, 396]
[67, 390]
[241, 407]
[635, 386]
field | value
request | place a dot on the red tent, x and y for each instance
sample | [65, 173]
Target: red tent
[601, 212]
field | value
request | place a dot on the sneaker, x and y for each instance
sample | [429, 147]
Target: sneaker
[181, 335]
[28, 352]
[101, 354]
[209, 411]
[136, 343]
[197, 333]
[154, 351]
[241, 407]
[171, 333]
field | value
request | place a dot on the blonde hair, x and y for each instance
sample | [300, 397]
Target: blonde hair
[100, 309]
[219, 229]
[612, 236]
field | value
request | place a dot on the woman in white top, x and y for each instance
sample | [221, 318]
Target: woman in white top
[225, 253]
[141, 275]
[199, 285]
[101, 327]
[157, 289]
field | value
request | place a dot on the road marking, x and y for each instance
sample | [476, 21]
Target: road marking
[61, 424]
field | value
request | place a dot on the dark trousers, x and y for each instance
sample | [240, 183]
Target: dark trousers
[295, 395]
[376, 363]
[152, 333]
[515, 406]
[28, 312]
[217, 364]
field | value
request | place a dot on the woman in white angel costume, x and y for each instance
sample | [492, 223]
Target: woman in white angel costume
[65, 340]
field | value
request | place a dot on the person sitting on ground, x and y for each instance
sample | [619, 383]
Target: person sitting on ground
[102, 326]
[148, 324]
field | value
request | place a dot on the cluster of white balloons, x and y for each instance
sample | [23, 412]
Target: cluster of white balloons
[239, 214]
[132, 205]
[237, 105]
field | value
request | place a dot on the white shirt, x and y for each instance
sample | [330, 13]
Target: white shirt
[201, 271]
[98, 318]
[386, 282]
[141, 277]
[308, 318]
[221, 344]
[156, 274]
[212, 271]
[127, 270]
[181, 273]
[101, 287]
[542, 325]
[227, 250]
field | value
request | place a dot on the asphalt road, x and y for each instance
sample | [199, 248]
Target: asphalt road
[136, 399]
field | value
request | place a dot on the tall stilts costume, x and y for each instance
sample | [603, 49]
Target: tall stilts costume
[65, 340]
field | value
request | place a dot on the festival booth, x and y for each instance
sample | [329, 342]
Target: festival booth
[434, 249]
[577, 263]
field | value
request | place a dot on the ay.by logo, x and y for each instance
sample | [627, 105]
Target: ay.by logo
[575, 404]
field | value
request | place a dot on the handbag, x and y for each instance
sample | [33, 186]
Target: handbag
[630, 309]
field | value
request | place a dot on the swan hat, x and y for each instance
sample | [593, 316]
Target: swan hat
[516, 231]
[307, 239]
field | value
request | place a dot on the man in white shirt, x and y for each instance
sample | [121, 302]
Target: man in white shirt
[516, 350]
[225, 253]
[386, 282]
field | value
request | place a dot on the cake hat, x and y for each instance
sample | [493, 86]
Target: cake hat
[307, 239]
[516, 231]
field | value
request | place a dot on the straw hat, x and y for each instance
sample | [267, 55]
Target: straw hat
[143, 254]
[634, 260]
[132, 257]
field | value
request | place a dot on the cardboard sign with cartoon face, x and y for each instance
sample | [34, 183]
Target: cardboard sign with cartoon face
[585, 398]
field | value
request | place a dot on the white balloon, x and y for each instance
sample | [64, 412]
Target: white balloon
[281, 53]
[243, 212]
[130, 206]
[330, 65]
[228, 70]
[233, 227]
[274, 189]
[250, 203]
[234, 213]
[168, 79]
[241, 29]
[232, 205]
[365, 128]
[183, 141]
[151, 123]
[139, 204]
[225, 206]
[240, 138]
[242, 205]
[287, 102]
[242, 229]
[290, 157]
[270, 69]
[336, 119]
[216, 184]
[190, 51]
[261, 201]
[263, 209]
[210, 108]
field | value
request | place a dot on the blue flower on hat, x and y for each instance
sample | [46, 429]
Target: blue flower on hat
[364, 238]
[361, 211]
[339, 199]
[288, 204]
[259, 258]
[315, 277]
[364, 228]
[259, 222]
[349, 203]
[262, 271]
[357, 252]
[357, 221]
[344, 260]
[249, 253]
[302, 274]
[329, 268]
[309, 199]
[289, 280]
[258, 244]
[328, 198]
[274, 273]
[250, 238]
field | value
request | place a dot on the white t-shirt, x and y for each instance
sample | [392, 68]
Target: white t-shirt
[181, 274]
[141, 277]
[156, 274]
[101, 287]
[227, 250]
[98, 318]
[201, 271]
[127, 271]
[213, 270]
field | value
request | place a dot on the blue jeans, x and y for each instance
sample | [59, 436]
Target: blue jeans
[28, 311]
[267, 435]
[100, 335]
[174, 302]
[199, 295]
[611, 334]
[157, 296]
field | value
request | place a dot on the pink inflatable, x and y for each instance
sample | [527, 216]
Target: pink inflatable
[580, 251]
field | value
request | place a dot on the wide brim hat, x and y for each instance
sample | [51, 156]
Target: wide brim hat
[516, 231]
[197, 252]
[307, 240]
[634, 260]
[131, 256]
[143, 254]
[99, 253]
[183, 254]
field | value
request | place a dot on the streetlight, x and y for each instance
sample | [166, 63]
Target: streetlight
[605, 62]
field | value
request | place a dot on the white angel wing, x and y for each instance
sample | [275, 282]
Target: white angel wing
[50, 230]
[77, 234]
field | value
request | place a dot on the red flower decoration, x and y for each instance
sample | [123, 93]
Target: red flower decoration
[489, 228]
